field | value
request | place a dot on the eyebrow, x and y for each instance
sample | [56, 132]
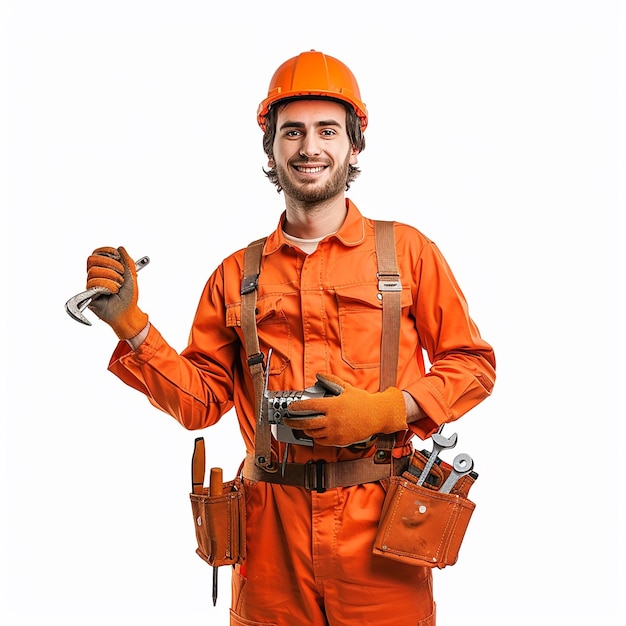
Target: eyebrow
[294, 124]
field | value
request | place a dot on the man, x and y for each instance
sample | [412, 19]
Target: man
[318, 310]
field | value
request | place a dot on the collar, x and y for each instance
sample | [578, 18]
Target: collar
[351, 233]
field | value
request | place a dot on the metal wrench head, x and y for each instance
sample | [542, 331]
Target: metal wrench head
[78, 303]
[463, 463]
[461, 466]
[442, 442]
[439, 443]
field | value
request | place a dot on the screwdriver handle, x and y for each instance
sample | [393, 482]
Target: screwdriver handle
[216, 482]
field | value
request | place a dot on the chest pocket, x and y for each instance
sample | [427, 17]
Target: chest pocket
[272, 327]
[360, 324]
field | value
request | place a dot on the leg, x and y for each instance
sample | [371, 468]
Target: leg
[275, 585]
[360, 588]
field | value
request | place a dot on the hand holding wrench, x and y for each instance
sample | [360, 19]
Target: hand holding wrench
[78, 303]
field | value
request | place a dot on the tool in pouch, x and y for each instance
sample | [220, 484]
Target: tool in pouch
[427, 510]
[78, 303]
[219, 513]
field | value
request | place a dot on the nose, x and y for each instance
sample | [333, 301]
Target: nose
[310, 146]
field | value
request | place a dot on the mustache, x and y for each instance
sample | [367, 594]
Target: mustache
[307, 162]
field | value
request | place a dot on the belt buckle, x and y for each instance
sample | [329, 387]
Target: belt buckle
[314, 476]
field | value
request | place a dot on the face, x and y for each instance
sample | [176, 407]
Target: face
[312, 150]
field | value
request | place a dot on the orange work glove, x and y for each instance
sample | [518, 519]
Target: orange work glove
[350, 415]
[114, 269]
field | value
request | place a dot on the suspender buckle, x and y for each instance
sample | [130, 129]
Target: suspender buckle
[255, 359]
[389, 282]
[249, 284]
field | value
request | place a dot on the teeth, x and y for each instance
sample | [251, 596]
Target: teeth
[310, 170]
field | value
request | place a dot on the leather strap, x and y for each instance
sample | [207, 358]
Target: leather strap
[390, 288]
[249, 287]
[320, 475]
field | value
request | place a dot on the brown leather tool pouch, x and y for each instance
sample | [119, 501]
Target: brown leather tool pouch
[418, 524]
[219, 513]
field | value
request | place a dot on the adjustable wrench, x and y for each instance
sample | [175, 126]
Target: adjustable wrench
[439, 443]
[462, 465]
[78, 303]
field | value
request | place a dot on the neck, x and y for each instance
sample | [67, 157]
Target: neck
[314, 221]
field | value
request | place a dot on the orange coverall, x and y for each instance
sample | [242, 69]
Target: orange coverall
[309, 555]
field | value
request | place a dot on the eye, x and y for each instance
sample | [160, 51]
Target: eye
[293, 133]
[328, 132]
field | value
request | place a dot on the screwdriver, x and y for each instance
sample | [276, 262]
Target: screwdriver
[216, 488]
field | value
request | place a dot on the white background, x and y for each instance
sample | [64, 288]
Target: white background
[493, 129]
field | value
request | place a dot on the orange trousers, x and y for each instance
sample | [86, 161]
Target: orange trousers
[310, 563]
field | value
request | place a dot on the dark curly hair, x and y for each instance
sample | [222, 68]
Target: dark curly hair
[353, 128]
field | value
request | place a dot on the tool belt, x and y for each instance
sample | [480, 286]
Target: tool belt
[321, 475]
[419, 525]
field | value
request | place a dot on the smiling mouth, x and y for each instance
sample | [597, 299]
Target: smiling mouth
[303, 169]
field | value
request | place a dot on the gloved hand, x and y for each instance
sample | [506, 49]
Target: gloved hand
[114, 269]
[351, 415]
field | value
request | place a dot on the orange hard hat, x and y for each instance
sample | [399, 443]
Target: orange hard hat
[313, 74]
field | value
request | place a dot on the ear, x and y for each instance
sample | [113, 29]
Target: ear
[271, 163]
[354, 156]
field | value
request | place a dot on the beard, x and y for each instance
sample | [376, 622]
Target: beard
[311, 192]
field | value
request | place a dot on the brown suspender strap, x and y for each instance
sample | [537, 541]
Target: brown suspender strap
[390, 288]
[249, 287]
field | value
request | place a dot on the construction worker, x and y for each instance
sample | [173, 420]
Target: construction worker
[310, 524]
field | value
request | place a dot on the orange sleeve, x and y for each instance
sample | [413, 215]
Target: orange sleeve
[462, 371]
[196, 387]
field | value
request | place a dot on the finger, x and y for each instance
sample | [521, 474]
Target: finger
[104, 277]
[308, 425]
[331, 383]
[127, 261]
[107, 251]
[307, 408]
[104, 261]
